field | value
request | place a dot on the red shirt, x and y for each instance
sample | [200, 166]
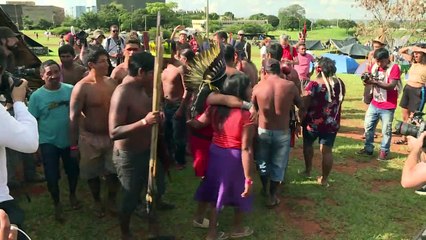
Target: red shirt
[386, 99]
[230, 135]
[289, 54]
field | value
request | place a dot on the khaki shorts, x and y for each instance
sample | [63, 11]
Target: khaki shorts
[95, 155]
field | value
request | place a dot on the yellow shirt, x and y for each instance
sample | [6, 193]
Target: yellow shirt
[417, 75]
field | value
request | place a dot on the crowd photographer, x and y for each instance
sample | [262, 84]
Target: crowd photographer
[20, 134]
[384, 76]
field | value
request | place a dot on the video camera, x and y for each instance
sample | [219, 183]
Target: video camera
[414, 128]
[11, 80]
[367, 76]
[82, 36]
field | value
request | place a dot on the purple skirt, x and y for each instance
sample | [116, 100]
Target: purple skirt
[224, 180]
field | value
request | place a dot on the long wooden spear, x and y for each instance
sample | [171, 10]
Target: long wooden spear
[152, 188]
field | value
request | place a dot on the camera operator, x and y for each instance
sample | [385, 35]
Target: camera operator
[9, 42]
[385, 80]
[19, 133]
[114, 45]
[414, 171]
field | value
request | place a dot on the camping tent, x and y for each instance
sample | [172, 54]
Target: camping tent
[314, 45]
[24, 56]
[355, 49]
[341, 43]
[310, 44]
[344, 64]
[361, 68]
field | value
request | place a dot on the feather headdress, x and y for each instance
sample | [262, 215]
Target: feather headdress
[206, 74]
[208, 67]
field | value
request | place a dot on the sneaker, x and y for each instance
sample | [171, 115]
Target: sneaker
[421, 191]
[364, 152]
[383, 156]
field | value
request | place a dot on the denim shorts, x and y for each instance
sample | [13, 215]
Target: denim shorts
[272, 153]
[326, 139]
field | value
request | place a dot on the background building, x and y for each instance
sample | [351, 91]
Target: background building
[77, 11]
[18, 10]
[127, 3]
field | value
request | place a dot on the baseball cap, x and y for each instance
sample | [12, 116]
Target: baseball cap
[241, 32]
[6, 32]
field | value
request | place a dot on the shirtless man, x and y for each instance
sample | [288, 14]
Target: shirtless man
[274, 97]
[71, 71]
[130, 122]
[235, 65]
[176, 98]
[132, 46]
[90, 101]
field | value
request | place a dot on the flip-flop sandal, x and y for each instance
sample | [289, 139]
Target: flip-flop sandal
[204, 224]
[247, 232]
[220, 236]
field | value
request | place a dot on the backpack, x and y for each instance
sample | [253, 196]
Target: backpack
[109, 42]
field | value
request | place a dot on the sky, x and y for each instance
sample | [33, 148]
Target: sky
[315, 9]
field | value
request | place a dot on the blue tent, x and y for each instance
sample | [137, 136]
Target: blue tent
[344, 64]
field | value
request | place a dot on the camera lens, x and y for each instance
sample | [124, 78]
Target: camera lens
[406, 129]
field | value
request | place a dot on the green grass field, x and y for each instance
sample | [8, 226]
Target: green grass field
[364, 201]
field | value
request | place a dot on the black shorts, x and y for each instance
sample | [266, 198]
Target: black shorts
[326, 139]
[411, 98]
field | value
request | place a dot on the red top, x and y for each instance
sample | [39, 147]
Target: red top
[386, 99]
[205, 132]
[230, 136]
[289, 54]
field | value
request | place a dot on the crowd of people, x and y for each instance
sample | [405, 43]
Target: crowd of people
[103, 95]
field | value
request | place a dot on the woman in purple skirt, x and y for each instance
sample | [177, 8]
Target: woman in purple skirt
[228, 180]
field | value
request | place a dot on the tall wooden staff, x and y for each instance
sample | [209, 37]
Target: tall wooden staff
[152, 188]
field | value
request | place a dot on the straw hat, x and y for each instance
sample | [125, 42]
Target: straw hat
[381, 39]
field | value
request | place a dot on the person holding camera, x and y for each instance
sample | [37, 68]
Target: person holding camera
[9, 42]
[384, 77]
[413, 96]
[20, 134]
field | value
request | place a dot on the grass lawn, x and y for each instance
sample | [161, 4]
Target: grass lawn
[364, 201]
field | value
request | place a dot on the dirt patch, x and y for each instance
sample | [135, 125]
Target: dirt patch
[380, 184]
[331, 202]
[304, 221]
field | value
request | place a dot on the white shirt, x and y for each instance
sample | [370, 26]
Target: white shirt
[20, 134]
[262, 51]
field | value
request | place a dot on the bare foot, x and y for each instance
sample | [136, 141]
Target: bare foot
[323, 182]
